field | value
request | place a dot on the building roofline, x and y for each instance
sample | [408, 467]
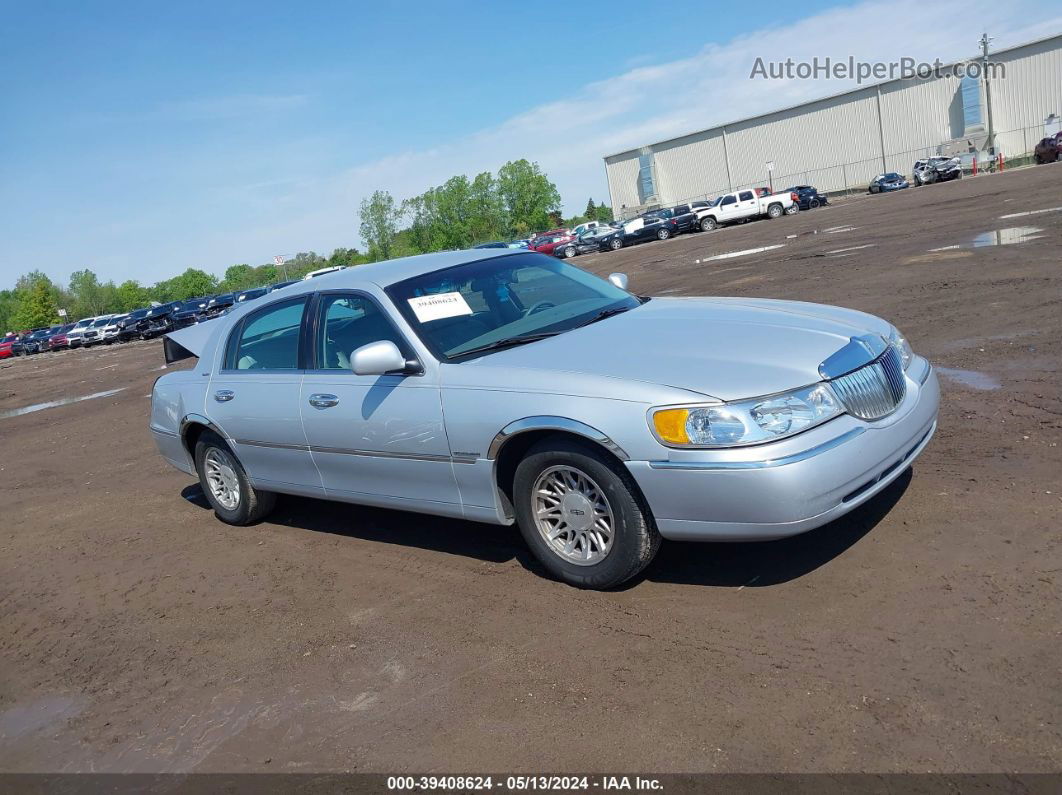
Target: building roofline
[846, 92]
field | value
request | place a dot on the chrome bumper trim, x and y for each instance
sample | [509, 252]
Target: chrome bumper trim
[763, 463]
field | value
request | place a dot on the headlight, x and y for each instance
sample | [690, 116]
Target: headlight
[748, 421]
[902, 346]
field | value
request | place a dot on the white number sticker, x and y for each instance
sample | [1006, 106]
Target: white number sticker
[436, 307]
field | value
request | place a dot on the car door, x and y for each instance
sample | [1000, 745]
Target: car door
[254, 396]
[374, 438]
[683, 217]
[728, 208]
[748, 204]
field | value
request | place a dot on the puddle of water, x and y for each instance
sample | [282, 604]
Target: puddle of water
[1032, 212]
[746, 252]
[51, 404]
[970, 378]
[997, 237]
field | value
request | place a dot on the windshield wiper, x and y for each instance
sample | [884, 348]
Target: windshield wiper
[605, 313]
[507, 342]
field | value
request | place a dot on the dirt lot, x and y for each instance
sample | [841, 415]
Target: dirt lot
[921, 633]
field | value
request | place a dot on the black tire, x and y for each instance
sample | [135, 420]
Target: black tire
[635, 539]
[775, 211]
[253, 504]
[813, 204]
[663, 233]
[708, 223]
[615, 244]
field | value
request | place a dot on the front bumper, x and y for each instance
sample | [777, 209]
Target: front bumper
[794, 485]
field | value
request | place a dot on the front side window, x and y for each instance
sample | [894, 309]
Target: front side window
[347, 323]
[267, 339]
[490, 304]
[731, 199]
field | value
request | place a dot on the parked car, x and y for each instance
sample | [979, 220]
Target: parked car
[250, 295]
[645, 228]
[936, 169]
[189, 312]
[129, 325]
[603, 238]
[217, 304]
[281, 285]
[743, 205]
[885, 183]
[110, 330]
[587, 227]
[1049, 149]
[59, 339]
[36, 341]
[76, 335]
[514, 387]
[682, 217]
[158, 320]
[93, 333]
[547, 243]
[807, 197]
[8, 346]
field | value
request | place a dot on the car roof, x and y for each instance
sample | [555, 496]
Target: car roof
[388, 272]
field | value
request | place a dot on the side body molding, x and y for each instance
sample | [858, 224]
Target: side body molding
[549, 423]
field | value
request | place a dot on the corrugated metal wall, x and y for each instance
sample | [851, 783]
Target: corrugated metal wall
[839, 143]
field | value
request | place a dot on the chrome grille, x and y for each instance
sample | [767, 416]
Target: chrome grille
[873, 390]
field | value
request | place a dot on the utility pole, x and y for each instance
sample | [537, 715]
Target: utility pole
[988, 92]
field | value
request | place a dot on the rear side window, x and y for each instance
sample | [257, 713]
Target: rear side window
[268, 339]
[746, 195]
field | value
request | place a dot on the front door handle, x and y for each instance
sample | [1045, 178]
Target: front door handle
[322, 400]
[224, 395]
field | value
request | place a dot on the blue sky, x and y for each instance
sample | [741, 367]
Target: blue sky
[140, 139]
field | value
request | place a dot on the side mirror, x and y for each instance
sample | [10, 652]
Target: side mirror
[378, 358]
[619, 280]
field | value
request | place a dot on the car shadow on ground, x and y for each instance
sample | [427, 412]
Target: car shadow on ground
[726, 565]
[764, 563]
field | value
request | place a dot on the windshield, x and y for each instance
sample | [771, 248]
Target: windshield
[103, 321]
[463, 308]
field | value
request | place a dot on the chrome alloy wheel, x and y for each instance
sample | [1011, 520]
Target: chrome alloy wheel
[221, 477]
[572, 515]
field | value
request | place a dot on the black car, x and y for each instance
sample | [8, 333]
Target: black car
[603, 238]
[250, 295]
[653, 227]
[129, 326]
[808, 198]
[158, 320]
[682, 217]
[190, 312]
[37, 340]
[219, 303]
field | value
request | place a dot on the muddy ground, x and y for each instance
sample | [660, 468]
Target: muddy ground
[920, 633]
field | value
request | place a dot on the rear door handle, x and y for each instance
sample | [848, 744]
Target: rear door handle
[224, 395]
[323, 400]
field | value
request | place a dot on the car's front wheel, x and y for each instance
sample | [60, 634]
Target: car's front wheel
[226, 485]
[663, 234]
[569, 252]
[708, 224]
[615, 244]
[582, 514]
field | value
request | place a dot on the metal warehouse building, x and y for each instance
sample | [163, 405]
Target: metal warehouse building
[843, 141]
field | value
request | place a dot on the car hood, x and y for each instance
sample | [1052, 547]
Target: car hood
[725, 348]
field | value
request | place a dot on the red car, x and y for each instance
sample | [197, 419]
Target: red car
[6, 345]
[549, 241]
[58, 340]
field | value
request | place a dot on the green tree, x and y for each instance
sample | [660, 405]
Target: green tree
[379, 224]
[36, 306]
[9, 301]
[130, 295]
[486, 213]
[603, 213]
[87, 295]
[591, 209]
[528, 196]
[193, 283]
[238, 277]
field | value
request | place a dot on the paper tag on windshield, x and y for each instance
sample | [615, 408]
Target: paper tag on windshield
[436, 307]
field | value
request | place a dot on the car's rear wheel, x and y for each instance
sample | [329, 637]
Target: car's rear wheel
[708, 224]
[582, 515]
[774, 211]
[615, 244]
[663, 234]
[226, 485]
[792, 209]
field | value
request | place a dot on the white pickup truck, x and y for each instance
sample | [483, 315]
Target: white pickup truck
[742, 205]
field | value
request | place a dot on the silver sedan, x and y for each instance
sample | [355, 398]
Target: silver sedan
[509, 386]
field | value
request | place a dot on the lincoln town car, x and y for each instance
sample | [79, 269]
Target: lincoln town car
[507, 386]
